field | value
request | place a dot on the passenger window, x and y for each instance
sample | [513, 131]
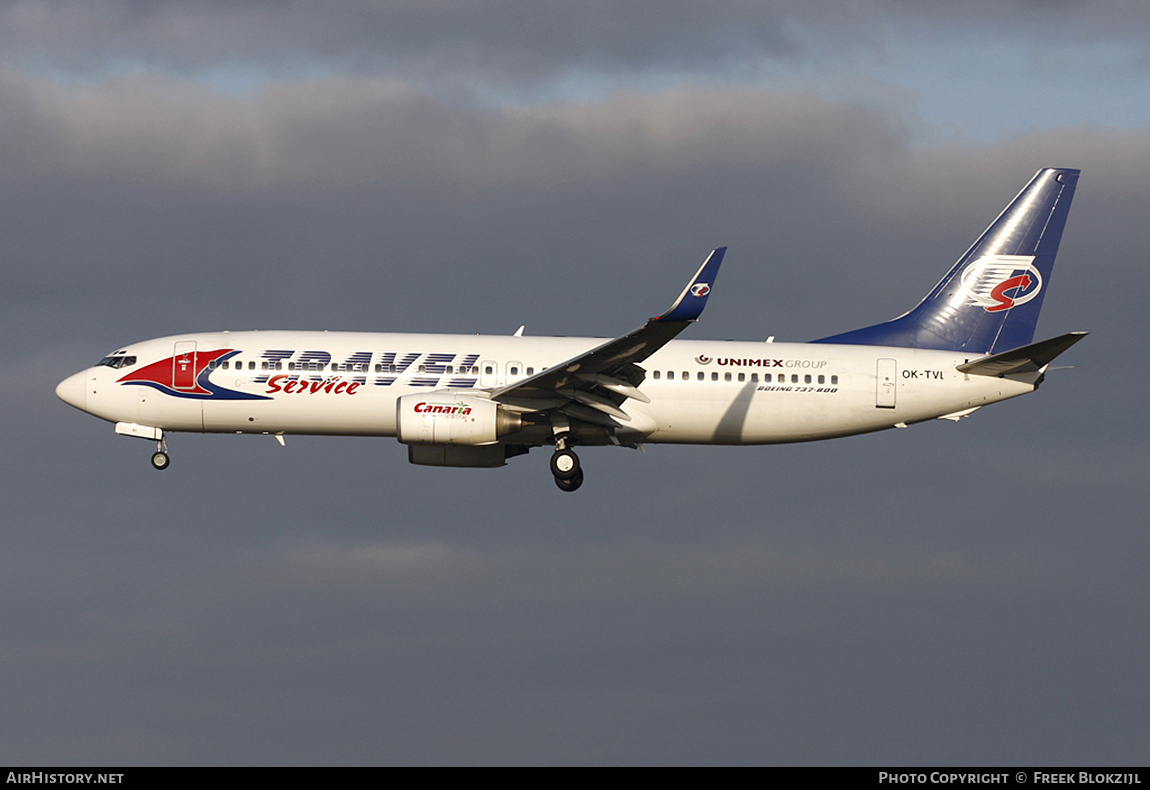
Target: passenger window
[726, 377]
[513, 371]
[822, 379]
[742, 377]
[670, 375]
[530, 371]
[755, 377]
[794, 378]
[655, 375]
[834, 379]
[715, 376]
[686, 375]
[701, 376]
[807, 379]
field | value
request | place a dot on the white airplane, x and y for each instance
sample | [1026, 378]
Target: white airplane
[475, 401]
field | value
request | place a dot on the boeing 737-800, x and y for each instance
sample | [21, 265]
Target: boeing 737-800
[476, 401]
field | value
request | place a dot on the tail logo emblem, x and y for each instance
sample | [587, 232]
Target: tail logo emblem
[1000, 282]
[700, 289]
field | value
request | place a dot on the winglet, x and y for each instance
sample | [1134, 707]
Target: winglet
[689, 306]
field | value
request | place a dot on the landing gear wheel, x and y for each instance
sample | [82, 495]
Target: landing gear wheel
[160, 459]
[564, 465]
[570, 483]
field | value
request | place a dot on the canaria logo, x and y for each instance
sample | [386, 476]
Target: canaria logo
[703, 359]
[1000, 282]
[700, 289]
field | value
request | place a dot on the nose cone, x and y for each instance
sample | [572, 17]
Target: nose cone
[73, 390]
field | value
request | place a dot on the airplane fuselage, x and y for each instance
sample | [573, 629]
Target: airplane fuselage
[709, 392]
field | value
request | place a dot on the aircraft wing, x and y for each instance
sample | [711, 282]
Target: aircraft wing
[592, 386]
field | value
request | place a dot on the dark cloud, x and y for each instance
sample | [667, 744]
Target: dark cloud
[515, 41]
[511, 39]
[386, 186]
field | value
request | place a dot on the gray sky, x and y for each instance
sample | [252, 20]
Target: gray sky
[950, 594]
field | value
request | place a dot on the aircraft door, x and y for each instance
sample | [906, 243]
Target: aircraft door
[488, 373]
[184, 365]
[886, 383]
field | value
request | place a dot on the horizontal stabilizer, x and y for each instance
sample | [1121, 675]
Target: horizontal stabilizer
[1026, 359]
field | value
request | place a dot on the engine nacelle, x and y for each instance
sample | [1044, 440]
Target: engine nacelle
[446, 417]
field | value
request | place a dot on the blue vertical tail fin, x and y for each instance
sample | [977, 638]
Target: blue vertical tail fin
[989, 302]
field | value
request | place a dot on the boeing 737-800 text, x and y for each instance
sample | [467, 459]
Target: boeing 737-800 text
[475, 401]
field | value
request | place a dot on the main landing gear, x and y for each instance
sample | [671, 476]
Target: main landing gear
[570, 484]
[565, 467]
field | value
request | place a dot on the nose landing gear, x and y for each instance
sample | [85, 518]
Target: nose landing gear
[160, 459]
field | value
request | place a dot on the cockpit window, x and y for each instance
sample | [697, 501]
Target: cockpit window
[117, 361]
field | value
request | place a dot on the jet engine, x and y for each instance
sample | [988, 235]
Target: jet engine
[446, 417]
